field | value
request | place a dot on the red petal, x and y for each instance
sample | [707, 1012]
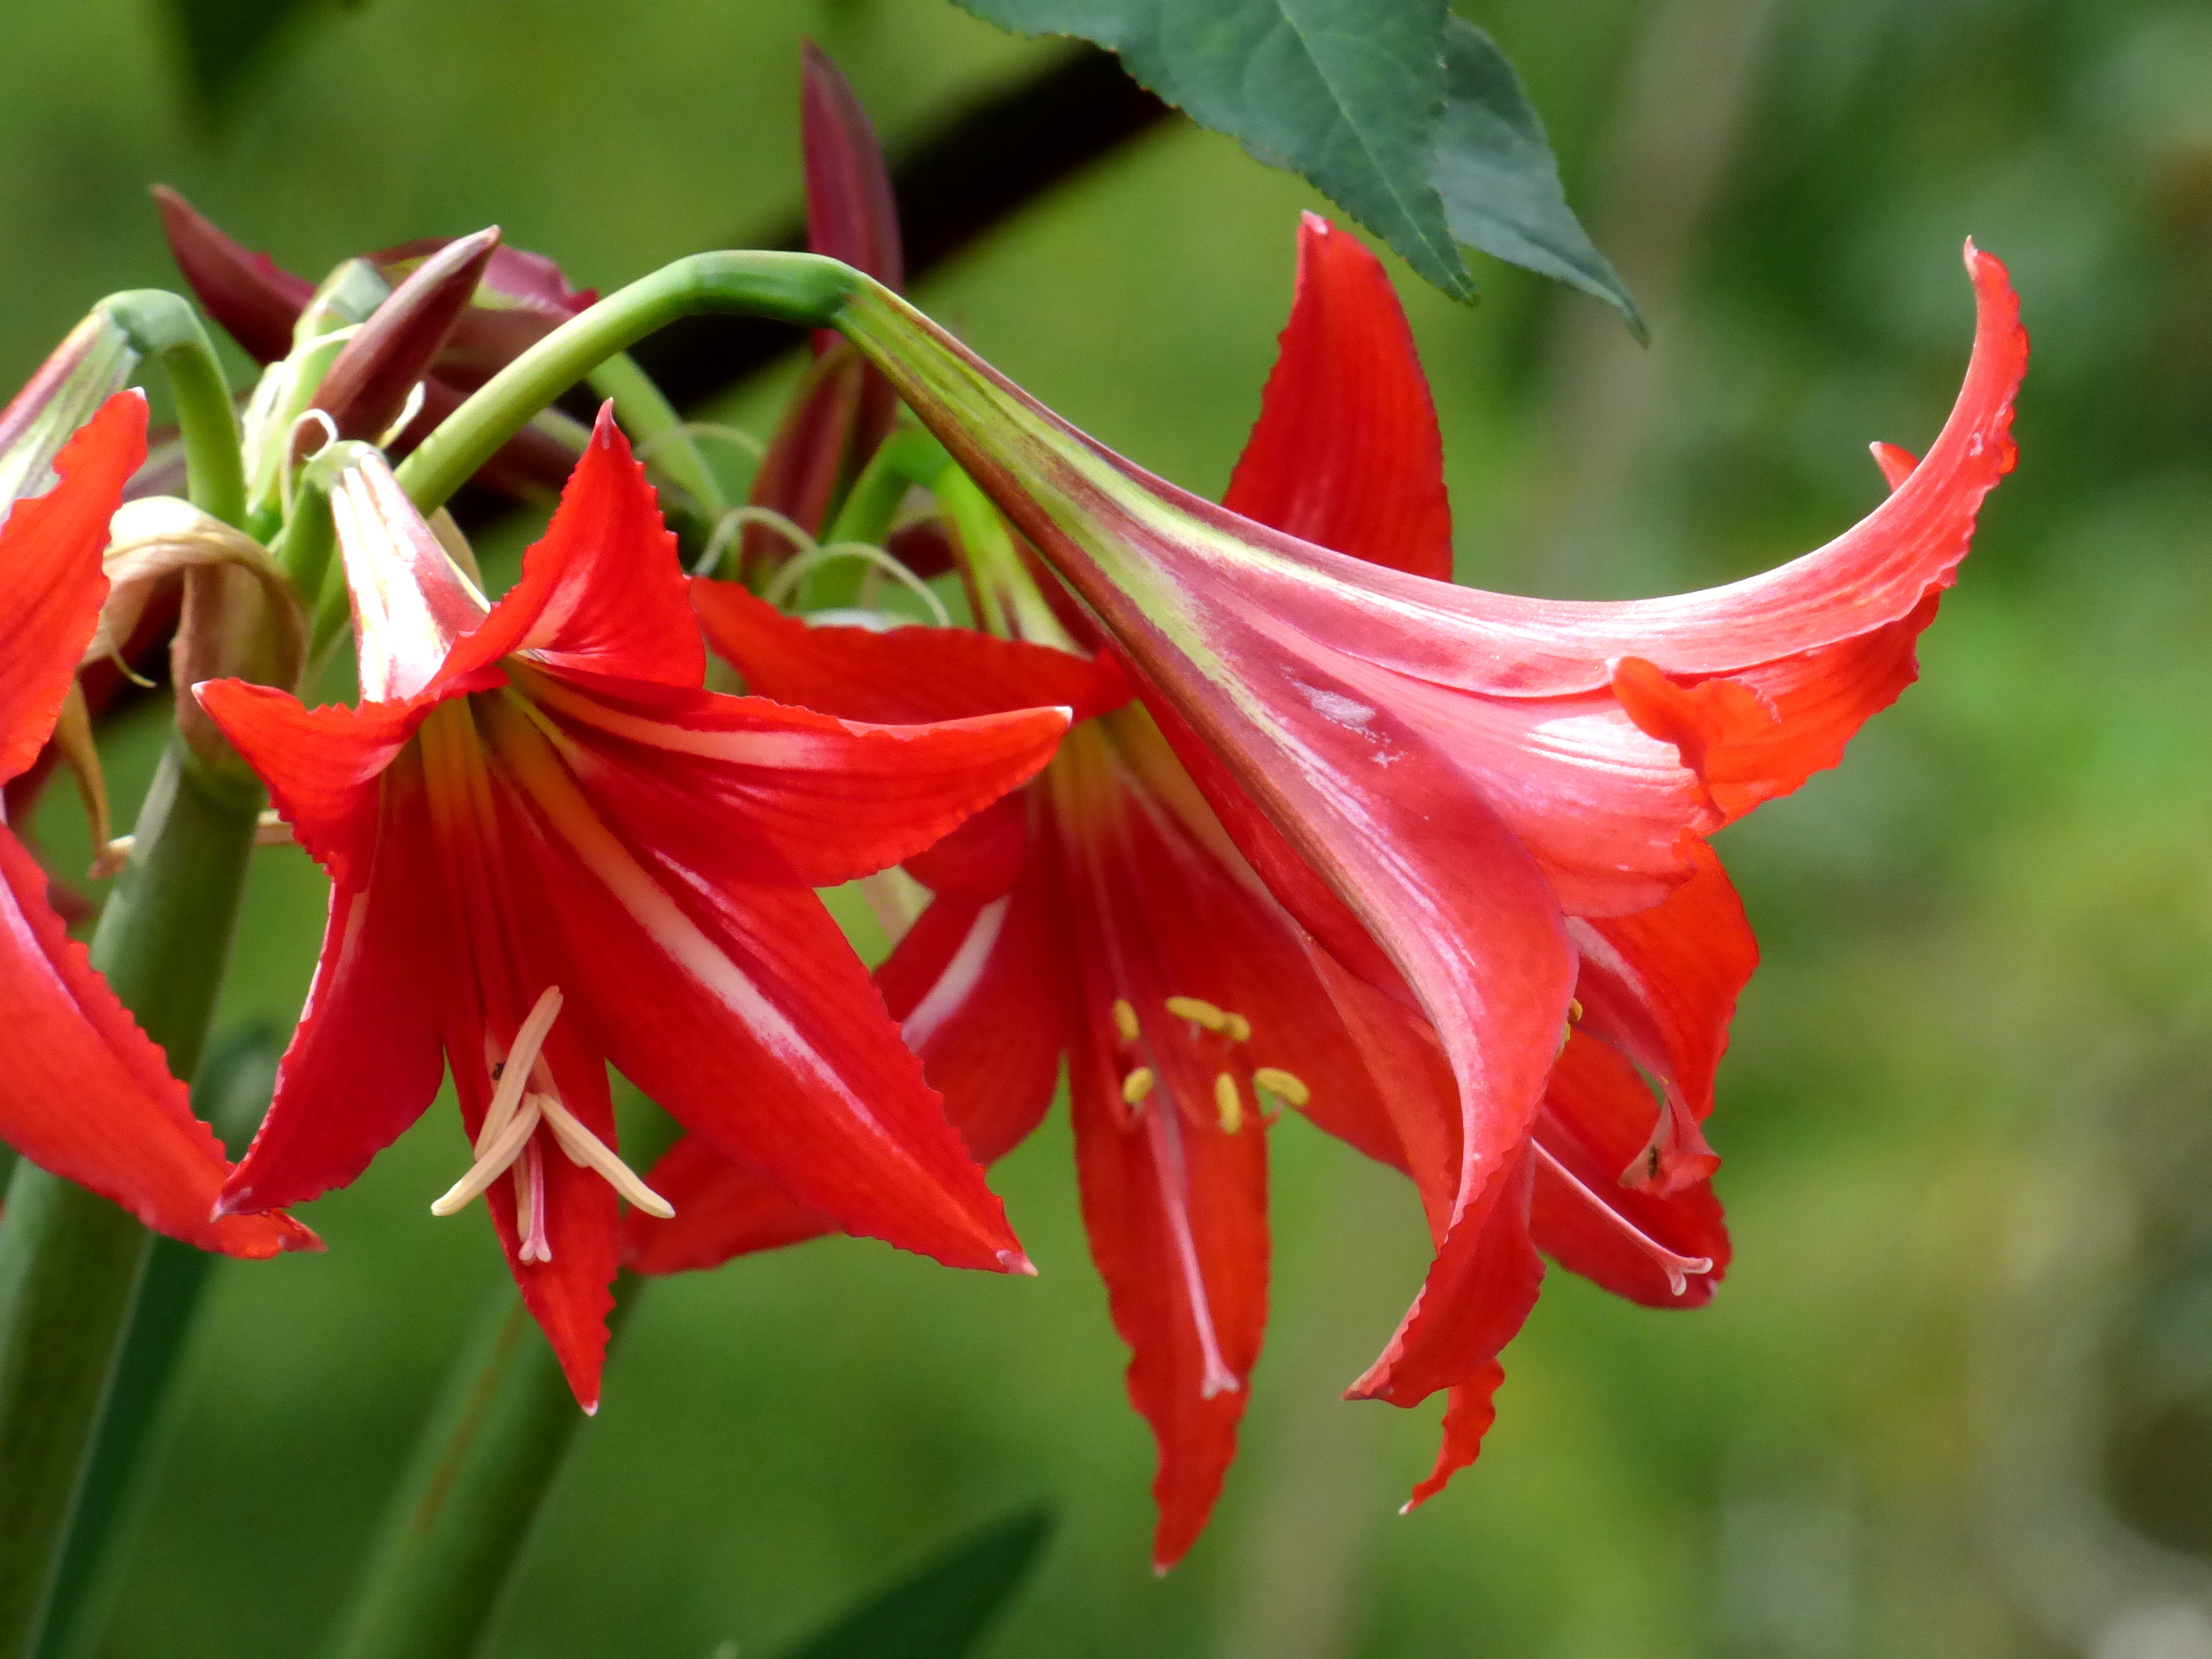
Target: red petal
[51, 584]
[1896, 464]
[976, 986]
[981, 858]
[254, 300]
[981, 993]
[1597, 1115]
[819, 800]
[906, 674]
[86, 1095]
[320, 764]
[569, 1295]
[1478, 1295]
[601, 592]
[364, 1061]
[1176, 1211]
[1469, 1410]
[1346, 453]
[1660, 986]
[742, 1010]
[722, 1210]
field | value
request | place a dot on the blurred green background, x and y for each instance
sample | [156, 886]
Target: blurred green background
[1955, 1398]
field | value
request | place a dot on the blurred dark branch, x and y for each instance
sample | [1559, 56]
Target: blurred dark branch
[977, 170]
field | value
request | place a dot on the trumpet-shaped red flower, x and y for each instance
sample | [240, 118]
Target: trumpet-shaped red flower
[550, 849]
[84, 1093]
[1441, 784]
[1130, 931]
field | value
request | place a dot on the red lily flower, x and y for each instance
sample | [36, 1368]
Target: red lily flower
[1435, 780]
[550, 849]
[84, 1094]
[1129, 884]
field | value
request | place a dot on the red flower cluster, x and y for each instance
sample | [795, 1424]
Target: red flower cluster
[1258, 811]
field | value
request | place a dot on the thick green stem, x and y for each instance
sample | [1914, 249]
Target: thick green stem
[232, 1095]
[168, 330]
[798, 288]
[71, 1263]
[457, 1527]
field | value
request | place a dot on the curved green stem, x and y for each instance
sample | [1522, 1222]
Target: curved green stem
[71, 1263]
[798, 288]
[166, 329]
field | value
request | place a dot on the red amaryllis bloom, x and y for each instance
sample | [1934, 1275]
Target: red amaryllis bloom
[550, 849]
[1440, 783]
[1131, 932]
[84, 1093]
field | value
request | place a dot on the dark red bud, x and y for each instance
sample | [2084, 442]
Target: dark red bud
[253, 298]
[368, 387]
[850, 214]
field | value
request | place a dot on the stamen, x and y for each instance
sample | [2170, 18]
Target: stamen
[1574, 1011]
[491, 1162]
[1283, 1085]
[531, 1206]
[1136, 1085]
[1676, 1267]
[1228, 1104]
[1125, 1020]
[588, 1150]
[1197, 1011]
[514, 1074]
[1236, 1027]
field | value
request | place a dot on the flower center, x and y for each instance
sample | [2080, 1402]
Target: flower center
[524, 1097]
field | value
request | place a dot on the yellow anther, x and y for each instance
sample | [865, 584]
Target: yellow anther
[1236, 1027]
[1136, 1085]
[1283, 1085]
[1574, 1011]
[1198, 1012]
[1125, 1020]
[1228, 1103]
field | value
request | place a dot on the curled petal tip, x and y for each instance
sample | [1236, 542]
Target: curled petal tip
[1017, 1262]
[1162, 1569]
[228, 1203]
[591, 1410]
[1409, 1506]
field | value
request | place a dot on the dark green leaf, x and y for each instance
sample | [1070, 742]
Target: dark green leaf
[944, 1610]
[1499, 180]
[1349, 93]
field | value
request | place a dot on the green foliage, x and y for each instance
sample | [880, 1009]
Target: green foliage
[945, 1608]
[1406, 116]
[1499, 180]
[225, 41]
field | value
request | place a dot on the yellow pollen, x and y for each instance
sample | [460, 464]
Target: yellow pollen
[1236, 1027]
[1197, 1011]
[1283, 1085]
[1228, 1102]
[1574, 1011]
[1125, 1020]
[1136, 1085]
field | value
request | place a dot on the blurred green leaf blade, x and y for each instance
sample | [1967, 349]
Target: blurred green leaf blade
[1347, 93]
[946, 1607]
[224, 42]
[1500, 180]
